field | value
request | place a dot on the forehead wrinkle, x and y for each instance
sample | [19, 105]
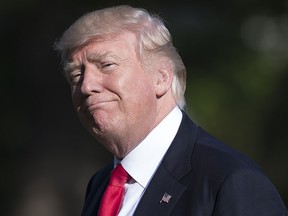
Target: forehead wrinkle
[92, 56]
[97, 56]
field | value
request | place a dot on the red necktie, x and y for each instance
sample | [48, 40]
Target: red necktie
[112, 198]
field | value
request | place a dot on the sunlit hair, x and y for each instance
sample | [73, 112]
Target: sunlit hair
[154, 38]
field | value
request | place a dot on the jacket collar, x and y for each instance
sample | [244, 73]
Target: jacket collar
[165, 190]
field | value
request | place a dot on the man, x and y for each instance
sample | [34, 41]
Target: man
[128, 83]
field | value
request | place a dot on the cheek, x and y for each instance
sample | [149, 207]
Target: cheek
[76, 97]
[141, 93]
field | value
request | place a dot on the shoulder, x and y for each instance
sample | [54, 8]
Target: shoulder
[239, 186]
[201, 152]
[219, 161]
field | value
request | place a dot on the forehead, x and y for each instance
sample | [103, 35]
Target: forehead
[117, 45]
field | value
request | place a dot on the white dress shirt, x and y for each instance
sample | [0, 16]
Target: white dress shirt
[142, 162]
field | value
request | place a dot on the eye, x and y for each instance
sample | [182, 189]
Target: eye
[107, 65]
[76, 75]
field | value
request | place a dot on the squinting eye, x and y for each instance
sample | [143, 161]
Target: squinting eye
[106, 65]
[75, 77]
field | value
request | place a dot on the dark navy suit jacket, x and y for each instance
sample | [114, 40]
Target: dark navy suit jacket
[203, 177]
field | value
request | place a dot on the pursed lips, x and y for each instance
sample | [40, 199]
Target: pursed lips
[92, 106]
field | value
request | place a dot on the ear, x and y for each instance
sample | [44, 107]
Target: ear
[163, 77]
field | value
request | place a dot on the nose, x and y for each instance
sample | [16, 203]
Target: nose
[92, 81]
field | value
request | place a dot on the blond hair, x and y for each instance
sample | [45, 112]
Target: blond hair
[154, 38]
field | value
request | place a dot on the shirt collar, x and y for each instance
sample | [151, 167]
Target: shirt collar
[142, 161]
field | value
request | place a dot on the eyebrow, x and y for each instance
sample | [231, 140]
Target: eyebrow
[91, 57]
[70, 66]
[99, 56]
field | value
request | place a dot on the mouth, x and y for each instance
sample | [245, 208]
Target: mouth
[98, 104]
[93, 114]
[90, 108]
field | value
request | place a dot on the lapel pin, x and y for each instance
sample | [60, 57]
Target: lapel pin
[166, 197]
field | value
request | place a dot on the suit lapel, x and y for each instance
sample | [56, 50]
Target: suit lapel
[96, 190]
[151, 201]
[175, 165]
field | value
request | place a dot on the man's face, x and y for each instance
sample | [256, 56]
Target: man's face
[114, 97]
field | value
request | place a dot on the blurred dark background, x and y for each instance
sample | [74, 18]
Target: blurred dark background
[236, 53]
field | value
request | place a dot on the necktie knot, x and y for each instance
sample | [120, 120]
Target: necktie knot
[119, 176]
[113, 195]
